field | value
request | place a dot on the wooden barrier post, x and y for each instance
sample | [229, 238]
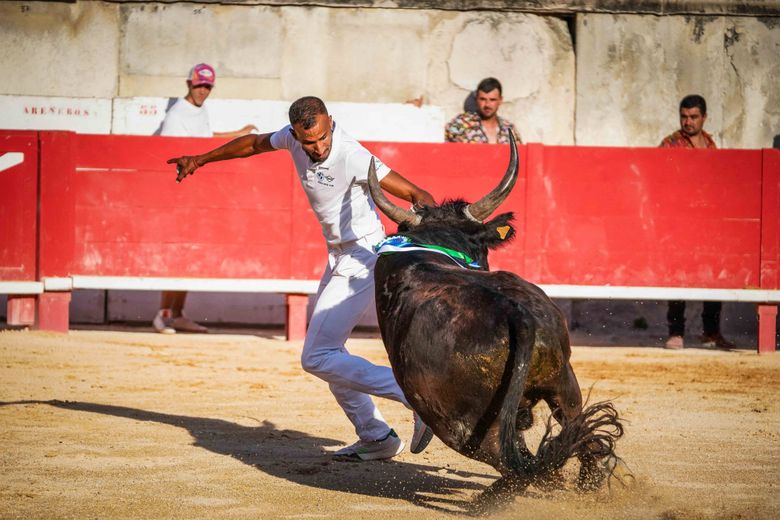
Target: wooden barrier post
[296, 316]
[57, 224]
[767, 328]
[21, 309]
[53, 311]
[770, 247]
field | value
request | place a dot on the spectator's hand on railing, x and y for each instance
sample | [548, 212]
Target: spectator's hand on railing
[248, 129]
[184, 166]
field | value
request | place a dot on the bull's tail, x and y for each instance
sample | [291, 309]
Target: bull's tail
[522, 331]
[595, 429]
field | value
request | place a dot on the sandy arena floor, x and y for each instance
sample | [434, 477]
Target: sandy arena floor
[110, 424]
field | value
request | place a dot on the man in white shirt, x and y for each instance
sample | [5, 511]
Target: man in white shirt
[333, 170]
[189, 118]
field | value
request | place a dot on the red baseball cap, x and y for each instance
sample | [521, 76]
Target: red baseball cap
[202, 74]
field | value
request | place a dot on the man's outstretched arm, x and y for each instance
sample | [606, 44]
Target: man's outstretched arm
[237, 148]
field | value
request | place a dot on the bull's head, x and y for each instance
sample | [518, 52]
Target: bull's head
[455, 223]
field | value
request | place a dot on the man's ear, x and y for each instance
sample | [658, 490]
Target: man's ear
[292, 132]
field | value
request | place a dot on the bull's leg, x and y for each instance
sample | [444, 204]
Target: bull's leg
[525, 416]
[499, 494]
[567, 405]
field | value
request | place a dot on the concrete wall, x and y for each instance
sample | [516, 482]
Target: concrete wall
[625, 79]
[281, 53]
[358, 55]
[632, 72]
[56, 49]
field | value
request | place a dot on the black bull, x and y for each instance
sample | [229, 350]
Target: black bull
[475, 350]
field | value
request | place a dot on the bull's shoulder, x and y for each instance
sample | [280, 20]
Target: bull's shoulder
[529, 296]
[511, 281]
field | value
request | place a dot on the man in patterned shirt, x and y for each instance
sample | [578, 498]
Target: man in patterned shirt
[484, 125]
[693, 114]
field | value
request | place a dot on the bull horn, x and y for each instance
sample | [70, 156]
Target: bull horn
[481, 209]
[396, 214]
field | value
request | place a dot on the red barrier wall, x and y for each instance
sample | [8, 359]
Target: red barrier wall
[18, 202]
[109, 205]
[770, 220]
[586, 216]
[654, 217]
[238, 219]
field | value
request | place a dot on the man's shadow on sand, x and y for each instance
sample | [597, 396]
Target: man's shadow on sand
[268, 449]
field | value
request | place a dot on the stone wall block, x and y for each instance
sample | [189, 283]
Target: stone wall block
[57, 49]
[164, 41]
[533, 58]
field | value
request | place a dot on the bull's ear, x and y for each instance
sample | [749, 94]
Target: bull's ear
[499, 230]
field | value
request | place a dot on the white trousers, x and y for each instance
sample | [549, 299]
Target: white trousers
[346, 290]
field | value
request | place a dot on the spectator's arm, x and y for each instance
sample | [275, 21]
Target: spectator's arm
[237, 133]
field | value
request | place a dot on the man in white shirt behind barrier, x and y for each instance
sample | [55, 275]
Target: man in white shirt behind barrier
[333, 170]
[189, 118]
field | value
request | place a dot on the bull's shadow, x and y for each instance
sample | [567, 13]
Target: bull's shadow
[268, 449]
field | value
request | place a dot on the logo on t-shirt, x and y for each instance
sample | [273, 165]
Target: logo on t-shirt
[323, 178]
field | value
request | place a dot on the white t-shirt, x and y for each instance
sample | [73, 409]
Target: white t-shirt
[337, 187]
[186, 120]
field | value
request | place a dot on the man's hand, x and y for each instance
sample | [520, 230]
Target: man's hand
[248, 129]
[184, 166]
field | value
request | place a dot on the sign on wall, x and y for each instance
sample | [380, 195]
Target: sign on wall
[393, 122]
[364, 121]
[82, 115]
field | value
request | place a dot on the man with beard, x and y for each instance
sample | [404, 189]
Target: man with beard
[333, 170]
[484, 125]
[693, 114]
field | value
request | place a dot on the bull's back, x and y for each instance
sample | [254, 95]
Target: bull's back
[447, 334]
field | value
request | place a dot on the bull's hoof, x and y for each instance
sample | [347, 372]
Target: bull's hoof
[551, 482]
[590, 480]
[498, 494]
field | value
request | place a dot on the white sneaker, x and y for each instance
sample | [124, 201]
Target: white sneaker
[162, 322]
[184, 324]
[385, 448]
[421, 437]
[674, 343]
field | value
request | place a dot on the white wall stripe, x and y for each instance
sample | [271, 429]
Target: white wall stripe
[10, 159]
[21, 287]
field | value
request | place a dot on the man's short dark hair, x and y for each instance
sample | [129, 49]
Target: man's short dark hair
[305, 111]
[694, 101]
[489, 85]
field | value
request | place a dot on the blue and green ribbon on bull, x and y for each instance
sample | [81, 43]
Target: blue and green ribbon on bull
[402, 244]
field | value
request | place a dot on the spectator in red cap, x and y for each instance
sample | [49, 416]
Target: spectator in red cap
[189, 118]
